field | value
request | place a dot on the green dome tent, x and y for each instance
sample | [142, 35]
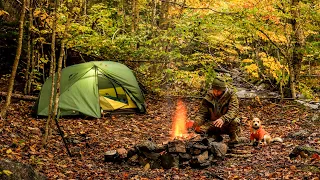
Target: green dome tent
[90, 87]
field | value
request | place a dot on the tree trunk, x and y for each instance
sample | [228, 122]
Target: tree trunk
[16, 61]
[153, 14]
[29, 50]
[33, 63]
[84, 11]
[164, 8]
[292, 80]
[298, 46]
[52, 73]
[123, 14]
[135, 14]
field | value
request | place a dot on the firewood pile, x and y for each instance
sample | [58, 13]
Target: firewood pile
[177, 153]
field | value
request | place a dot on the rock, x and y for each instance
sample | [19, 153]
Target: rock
[262, 87]
[16, 170]
[155, 164]
[315, 117]
[309, 104]
[302, 134]
[303, 151]
[202, 158]
[218, 149]
[169, 160]
[151, 155]
[122, 152]
[132, 152]
[133, 160]
[177, 146]
[246, 94]
[143, 160]
[147, 146]
[185, 156]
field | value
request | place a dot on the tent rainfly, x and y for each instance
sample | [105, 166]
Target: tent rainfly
[91, 87]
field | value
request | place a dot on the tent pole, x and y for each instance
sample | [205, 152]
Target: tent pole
[61, 134]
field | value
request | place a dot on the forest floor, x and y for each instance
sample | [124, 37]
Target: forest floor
[21, 136]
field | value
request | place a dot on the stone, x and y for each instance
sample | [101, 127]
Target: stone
[151, 155]
[133, 160]
[302, 134]
[218, 149]
[176, 146]
[122, 152]
[185, 156]
[147, 146]
[18, 171]
[169, 160]
[303, 151]
[203, 157]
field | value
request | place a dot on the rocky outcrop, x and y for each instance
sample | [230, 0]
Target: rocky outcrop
[10, 170]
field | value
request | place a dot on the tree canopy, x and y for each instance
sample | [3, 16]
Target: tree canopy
[177, 45]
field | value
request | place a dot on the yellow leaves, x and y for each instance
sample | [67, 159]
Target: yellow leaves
[247, 61]
[6, 172]
[274, 36]
[36, 13]
[252, 70]
[2, 12]
[9, 151]
[272, 66]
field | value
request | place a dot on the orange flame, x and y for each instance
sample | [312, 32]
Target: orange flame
[179, 120]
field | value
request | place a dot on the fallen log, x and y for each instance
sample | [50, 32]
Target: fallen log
[20, 96]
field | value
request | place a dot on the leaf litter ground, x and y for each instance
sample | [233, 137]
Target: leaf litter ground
[89, 139]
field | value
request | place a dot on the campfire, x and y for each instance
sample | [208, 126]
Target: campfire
[179, 128]
[182, 150]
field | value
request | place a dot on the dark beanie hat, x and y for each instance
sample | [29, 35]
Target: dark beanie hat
[219, 84]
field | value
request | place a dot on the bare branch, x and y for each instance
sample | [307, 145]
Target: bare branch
[272, 42]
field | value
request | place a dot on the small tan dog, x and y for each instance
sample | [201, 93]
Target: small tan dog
[259, 135]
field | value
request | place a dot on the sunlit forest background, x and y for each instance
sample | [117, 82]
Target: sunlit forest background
[175, 47]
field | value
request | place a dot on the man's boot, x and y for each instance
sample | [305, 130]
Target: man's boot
[233, 139]
[217, 138]
[234, 131]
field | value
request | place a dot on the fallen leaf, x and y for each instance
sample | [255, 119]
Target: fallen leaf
[7, 172]
[146, 167]
[9, 151]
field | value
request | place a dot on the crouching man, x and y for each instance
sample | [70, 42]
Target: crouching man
[218, 113]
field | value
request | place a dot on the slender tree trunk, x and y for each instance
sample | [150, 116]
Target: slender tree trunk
[16, 61]
[33, 63]
[164, 8]
[52, 73]
[84, 11]
[153, 16]
[134, 15]
[298, 46]
[123, 15]
[29, 49]
[292, 81]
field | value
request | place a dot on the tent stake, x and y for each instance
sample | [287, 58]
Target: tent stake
[63, 139]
